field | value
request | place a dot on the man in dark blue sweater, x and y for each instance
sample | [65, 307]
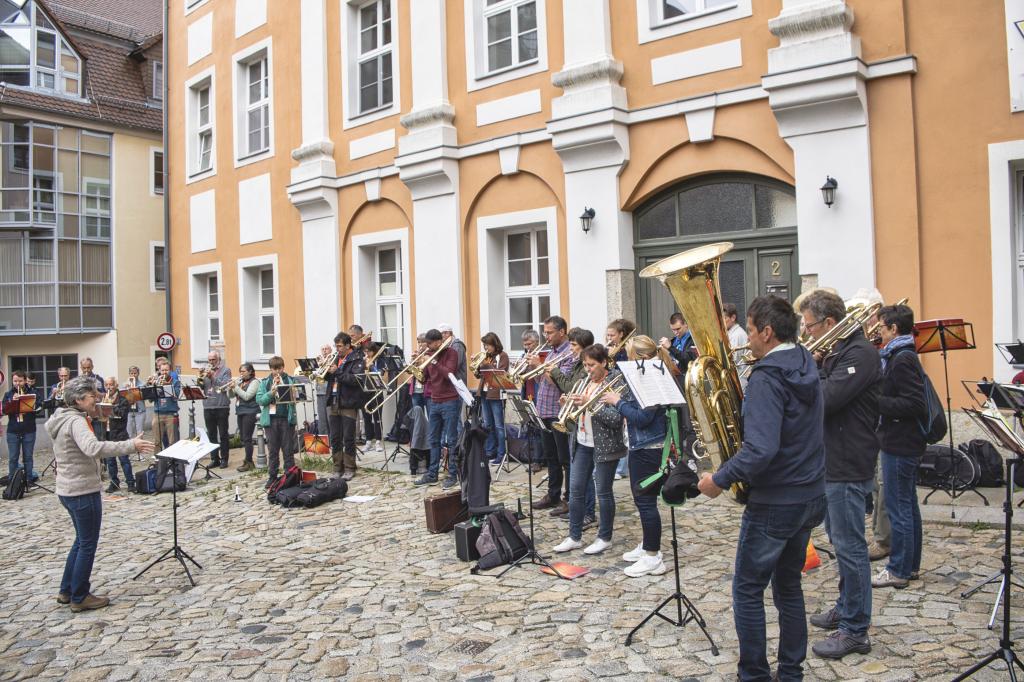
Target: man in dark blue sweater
[782, 460]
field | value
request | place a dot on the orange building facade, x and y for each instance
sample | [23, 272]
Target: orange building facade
[405, 163]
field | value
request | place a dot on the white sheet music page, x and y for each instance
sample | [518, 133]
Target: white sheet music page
[651, 383]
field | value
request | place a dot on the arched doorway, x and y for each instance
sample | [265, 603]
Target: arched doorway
[756, 213]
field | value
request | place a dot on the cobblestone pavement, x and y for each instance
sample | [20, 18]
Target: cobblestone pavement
[364, 592]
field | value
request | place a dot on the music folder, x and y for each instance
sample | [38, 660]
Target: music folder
[307, 365]
[498, 378]
[132, 395]
[192, 393]
[20, 404]
[651, 383]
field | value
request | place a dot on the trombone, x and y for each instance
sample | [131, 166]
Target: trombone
[415, 368]
[550, 362]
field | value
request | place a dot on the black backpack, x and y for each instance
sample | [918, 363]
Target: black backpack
[988, 462]
[16, 485]
[321, 491]
[501, 541]
[164, 483]
[288, 497]
[933, 426]
[289, 479]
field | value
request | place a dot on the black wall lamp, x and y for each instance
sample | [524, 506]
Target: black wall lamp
[586, 218]
[828, 190]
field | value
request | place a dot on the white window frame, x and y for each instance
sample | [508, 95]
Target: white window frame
[477, 75]
[153, 288]
[199, 313]
[382, 300]
[193, 5]
[350, 58]
[251, 312]
[651, 25]
[240, 87]
[1006, 212]
[206, 78]
[492, 274]
[534, 292]
[364, 279]
[158, 92]
[153, 151]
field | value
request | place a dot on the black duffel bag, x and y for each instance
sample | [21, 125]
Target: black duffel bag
[164, 482]
[321, 491]
[988, 462]
[945, 467]
[289, 497]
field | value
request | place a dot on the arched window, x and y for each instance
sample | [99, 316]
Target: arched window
[717, 205]
[33, 53]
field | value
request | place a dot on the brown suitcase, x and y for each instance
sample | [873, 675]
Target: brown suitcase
[444, 511]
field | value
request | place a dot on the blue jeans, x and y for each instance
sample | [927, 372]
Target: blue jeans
[442, 416]
[899, 485]
[21, 445]
[583, 474]
[623, 466]
[493, 412]
[844, 523]
[86, 514]
[643, 463]
[126, 464]
[772, 547]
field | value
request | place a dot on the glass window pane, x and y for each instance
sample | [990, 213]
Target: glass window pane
[46, 50]
[96, 294]
[520, 310]
[67, 261]
[70, 317]
[10, 319]
[528, 46]
[267, 324]
[519, 274]
[731, 283]
[42, 135]
[15, 76]
[774, 208]
[659, 221]
[68, 225]
[385, 31]
[67, 170]
[267, 279]
[40, 294]
[42, 159]
[71, 86]
[527, 16]
[70, 294]
[515, 341]
[386, 95]
[95, 262]
[541, 239]
[499, 55]
[499, 27]
[544, 305]
[678, 8]
[390, 315]
[10, 295]
[518, 245]
[13, 200]
[721, 207]
[388, 284]
[214, 329]
[40, 318]
[68, 61]
[15, 45]
[543, 277]
[387, 260]
[368, 16]
[96, 172]
[97, 144]
[96, 318]
[267, 344]
[67, 138]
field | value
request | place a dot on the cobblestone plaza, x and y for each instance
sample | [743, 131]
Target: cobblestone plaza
[364, 592]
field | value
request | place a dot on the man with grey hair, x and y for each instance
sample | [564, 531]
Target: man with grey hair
[458, 346]
[85, 370]
[850, 371]
[216, 407]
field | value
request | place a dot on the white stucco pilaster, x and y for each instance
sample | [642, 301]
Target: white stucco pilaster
[816, 89]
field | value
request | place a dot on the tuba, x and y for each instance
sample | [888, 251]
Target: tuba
[712, 385]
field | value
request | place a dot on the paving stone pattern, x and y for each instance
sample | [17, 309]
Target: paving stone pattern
[364, 592]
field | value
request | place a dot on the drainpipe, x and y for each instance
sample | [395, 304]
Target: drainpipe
[167, 185]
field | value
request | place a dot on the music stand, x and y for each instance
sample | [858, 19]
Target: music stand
[998, 430]
[179, 454]
[1013, 353]
[189, 394]
[942, 336]
[527, 413]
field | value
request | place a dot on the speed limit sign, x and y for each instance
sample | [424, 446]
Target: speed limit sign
[166, 342]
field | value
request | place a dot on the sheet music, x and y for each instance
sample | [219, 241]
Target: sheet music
[651, 383]
[463, 390]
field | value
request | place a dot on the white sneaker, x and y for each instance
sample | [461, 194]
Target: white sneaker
[646, 565]
[635, 554]
[567, 545]
[379, 447]
[597, 546]
[618, 476]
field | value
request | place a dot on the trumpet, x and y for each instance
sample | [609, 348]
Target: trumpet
[568, 406]
[616, 384]
[614, 349]
[523, 363]
[550, 362]
[206, 373]
[224, 388]
[325, 365]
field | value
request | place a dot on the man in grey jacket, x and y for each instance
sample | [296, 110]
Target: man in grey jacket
[217, 407]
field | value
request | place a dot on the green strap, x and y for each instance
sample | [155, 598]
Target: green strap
[671, 438]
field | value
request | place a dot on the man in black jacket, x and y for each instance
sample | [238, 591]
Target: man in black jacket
[782, 460]
[901, 405]
[850, 374]
[344, 399]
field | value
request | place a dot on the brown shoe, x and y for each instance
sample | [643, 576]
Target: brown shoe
[537, 467]
[246, 466]
[561, 510]
[545, 503]
[877, 551]
[63, 598]
[90, 603]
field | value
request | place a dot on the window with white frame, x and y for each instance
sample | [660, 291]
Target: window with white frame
[158, 80]
[202, 124]
[1018, 280]
[268, 312]
[158, 278]
[212, 309]
[674, 10]
[375, 60]
[527, 283]
[33, 53]
[158, 172]
[659, 19]
[257, 106]
[510, 27]
[389, 295]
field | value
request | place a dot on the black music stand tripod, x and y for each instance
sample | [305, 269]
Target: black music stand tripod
[175, 552]
[529, 417]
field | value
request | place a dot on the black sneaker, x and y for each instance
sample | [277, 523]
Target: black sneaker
[113, 488]
[839, 644]
[589, 520]
[449, 482]
[426, 479]
[826, 621]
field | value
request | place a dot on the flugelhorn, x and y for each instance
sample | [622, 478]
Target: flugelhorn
[568, 406]
[713, 390]
[325, 366]
[224, 388]
[476, 361]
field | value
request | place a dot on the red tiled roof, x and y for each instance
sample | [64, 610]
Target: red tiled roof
[112, 17]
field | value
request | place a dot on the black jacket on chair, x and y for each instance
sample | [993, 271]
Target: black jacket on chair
[850, 377]
[901, 404]
[343, 387]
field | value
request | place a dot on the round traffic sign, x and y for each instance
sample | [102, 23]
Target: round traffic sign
[166, 342]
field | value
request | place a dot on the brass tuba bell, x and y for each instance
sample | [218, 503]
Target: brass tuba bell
[713, 391]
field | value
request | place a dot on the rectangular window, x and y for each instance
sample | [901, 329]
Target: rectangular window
[670, 10]
[44, 368]
[158, 80]
[157, 268]
[510, 27]
[375, 56]
[213, 308]
[158, 172]
[257, 112]
[204, 130]
[390, 299]
[268, 313]
[527, 283]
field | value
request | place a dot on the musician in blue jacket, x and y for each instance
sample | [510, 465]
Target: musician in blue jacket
[782, 461]
[21, 428]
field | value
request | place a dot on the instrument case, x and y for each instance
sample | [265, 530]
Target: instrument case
[466, 534]
[444, 511]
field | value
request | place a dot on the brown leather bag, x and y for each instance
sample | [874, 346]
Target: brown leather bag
[444, 511]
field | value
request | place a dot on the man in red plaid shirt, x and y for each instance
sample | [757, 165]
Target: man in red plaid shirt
[555, 443]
